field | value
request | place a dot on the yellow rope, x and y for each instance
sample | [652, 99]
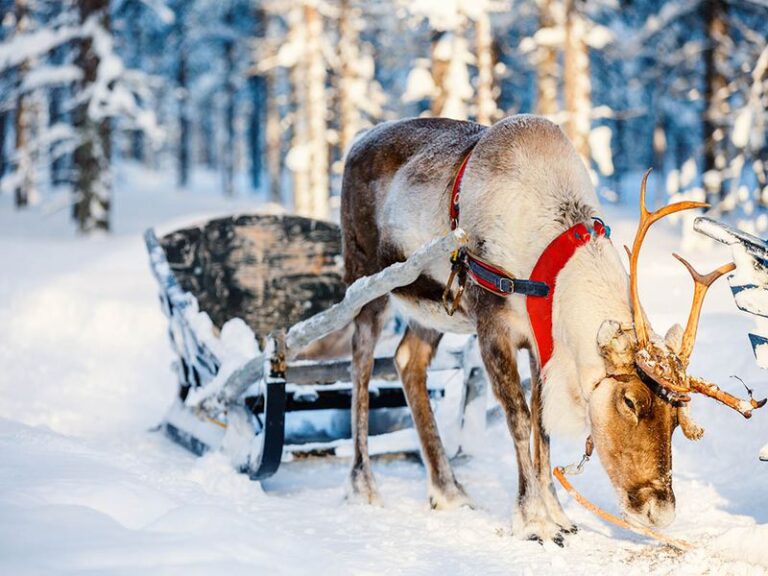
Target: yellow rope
[559, 473]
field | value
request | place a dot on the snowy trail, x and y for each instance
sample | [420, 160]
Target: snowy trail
[85, 488]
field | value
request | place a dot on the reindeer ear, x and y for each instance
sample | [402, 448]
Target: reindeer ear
[691, 430]
[674, 338]
[616, 346]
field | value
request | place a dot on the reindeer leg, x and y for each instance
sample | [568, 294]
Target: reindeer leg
[367, 330]
[412, 359]
[498, 351]
[541, 460]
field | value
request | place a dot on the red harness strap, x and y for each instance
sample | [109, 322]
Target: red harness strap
[455, 192]
[550, 263]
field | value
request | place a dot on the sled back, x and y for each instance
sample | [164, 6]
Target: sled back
[272, 271]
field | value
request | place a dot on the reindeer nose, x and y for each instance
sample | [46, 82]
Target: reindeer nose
[652, 506]
[660, 513]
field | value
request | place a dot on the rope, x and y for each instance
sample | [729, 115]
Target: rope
[559, 473]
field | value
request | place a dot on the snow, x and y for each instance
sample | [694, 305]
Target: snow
[420, 83]
[85, 486]
[600, 148]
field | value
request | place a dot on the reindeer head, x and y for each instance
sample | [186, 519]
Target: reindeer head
[636, 407]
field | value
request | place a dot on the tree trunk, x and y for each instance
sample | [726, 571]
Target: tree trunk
[440, 64]
[24, 181]
[349, 116]
[298, 157]
[58, 95]
[3, 129]
[715, 115]
[449, 73]
[578, 90]
[228, 153]
[486, 103]
[255, 129]
[92, 155]
[316, 108]
[273, 138]
[258, 89]
[206, 128]
[182, 85]
[547, 72]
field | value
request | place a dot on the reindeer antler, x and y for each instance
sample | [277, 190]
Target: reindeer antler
[646, 221]
[743, 407]
[666, 367]
[701, 283]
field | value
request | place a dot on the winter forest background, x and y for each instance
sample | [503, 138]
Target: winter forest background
[269, 94]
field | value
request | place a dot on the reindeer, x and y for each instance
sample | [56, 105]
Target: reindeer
[523, 188]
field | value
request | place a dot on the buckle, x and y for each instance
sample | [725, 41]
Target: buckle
[506, 285]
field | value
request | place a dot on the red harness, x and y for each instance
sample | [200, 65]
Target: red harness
[540, 288]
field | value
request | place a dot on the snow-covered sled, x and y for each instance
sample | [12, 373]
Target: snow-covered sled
[749, 283]
[232, 289]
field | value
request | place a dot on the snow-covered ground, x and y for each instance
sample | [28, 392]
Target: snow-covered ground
[86, 487]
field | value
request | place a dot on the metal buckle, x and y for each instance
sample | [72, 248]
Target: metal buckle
[505, 285]
[458, 268]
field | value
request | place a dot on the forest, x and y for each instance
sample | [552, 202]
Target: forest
[268, 95]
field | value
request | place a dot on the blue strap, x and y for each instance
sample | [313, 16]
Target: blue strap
[507, 285]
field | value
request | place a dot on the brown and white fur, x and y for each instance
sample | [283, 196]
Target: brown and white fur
[524, 185]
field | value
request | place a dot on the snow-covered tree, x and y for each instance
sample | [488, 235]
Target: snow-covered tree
[98, 69]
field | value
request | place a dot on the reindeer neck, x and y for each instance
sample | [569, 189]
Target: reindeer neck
[591, 288]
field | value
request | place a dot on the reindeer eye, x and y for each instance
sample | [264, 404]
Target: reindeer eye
[629, 403]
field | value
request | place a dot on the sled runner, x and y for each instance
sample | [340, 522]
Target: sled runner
[749, 283]
[244, 296]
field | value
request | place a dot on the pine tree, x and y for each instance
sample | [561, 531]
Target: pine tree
[93, 152]
[715, 19]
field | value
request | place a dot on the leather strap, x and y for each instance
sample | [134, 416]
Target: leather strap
[550, 263]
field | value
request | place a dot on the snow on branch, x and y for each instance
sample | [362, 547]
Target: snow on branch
[46, 76]
[28, 46]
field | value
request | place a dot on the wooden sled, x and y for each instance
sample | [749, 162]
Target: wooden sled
[244, 296]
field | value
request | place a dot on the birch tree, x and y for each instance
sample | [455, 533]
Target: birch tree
[485, 100]
[360, 96]
[24, 185]
[577, 84]
[319, 189]
[547, 67]
[303, 55]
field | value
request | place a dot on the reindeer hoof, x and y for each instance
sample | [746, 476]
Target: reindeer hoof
[444, 503]
[535, 538]
[541, 529]
[362, 489]
[449, 498]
